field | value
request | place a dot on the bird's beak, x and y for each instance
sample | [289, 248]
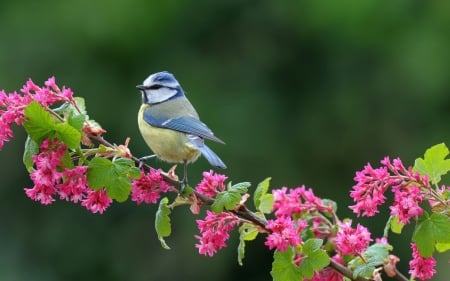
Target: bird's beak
[140, 87]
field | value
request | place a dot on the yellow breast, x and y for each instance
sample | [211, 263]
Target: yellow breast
[168, 145]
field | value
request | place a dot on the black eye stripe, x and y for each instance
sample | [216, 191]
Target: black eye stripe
[154, 87]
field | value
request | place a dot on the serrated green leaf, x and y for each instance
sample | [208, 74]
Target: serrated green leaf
[99, 172]
[247, 232]
[315, 261]
[162, 222]
[113, 176]
[396, 225]
[227, 200]
[38, 123]
[260, 191]
[76, 121]
[429, 231]
[315, 258]
[374, 256]
[434, 163]
[241, 187]
[241, 252]
[68, 135]
[81, 105]
[266, 203]
[283, 267]
[134, 173]
[442, 247]
[31, 148]
[312, 245]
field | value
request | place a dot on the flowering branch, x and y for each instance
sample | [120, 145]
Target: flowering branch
[67, 157]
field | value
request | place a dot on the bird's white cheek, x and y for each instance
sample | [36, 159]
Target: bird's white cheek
[159, 95]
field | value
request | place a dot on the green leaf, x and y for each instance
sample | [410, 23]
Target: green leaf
[283, 267]
[434, 163]
[442, 247]
[247, 232]
[68, 135]
[260, 191]
[227, 200]
[114, 176]
[38, 124]
[266, 203]
[241, 187]
[230, 198]
[31, 148]
[429, 231]
[396, 225]
[162, 222]
[374, 256]
[315, 258]
[76, 121]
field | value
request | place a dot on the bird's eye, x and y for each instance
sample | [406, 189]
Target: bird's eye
[154, 87]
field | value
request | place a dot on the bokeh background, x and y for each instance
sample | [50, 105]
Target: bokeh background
[306, 92]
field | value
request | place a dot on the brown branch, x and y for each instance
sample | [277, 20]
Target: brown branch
[242, 211]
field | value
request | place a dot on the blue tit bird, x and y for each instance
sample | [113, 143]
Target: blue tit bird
[170, 125]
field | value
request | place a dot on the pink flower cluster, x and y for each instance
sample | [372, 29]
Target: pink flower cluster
[211, 184]
[148, 187]
[289, 205]
[285, 232]
[13, 104]
[420, 267]
[351, 241]
[215, 231]
[372, 183]
[70, 184]
[296, 201]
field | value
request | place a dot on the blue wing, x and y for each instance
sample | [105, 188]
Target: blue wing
[185, 124]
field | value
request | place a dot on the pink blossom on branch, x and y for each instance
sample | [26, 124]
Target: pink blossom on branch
[420, 267]
[372, 183]
[351, 241]
[406, 203]
[296, 201]
[148, 187]
[211, 184]
[96, 201]
[13, 104]
[51, 180]
[214, 230]
[285, 233]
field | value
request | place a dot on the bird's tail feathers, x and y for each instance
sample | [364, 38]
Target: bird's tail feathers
[212, 158]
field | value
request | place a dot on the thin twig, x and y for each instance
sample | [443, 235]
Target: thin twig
[242, 211]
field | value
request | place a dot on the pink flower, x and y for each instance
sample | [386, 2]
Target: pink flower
[350, 241]
[371, 184]
[96, 201]
[12, 105]
[214, 232]
[420, 267]
[148, 187]
[368, 193]
[285, 232]
[46, 174]
[211, 184]
[296, 201]
[75, 184]
[11, 111]
[406, 203]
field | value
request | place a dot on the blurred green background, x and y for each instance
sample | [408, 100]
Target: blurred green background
[306, 92]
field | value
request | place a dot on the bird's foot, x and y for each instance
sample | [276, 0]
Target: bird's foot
[145, 158]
